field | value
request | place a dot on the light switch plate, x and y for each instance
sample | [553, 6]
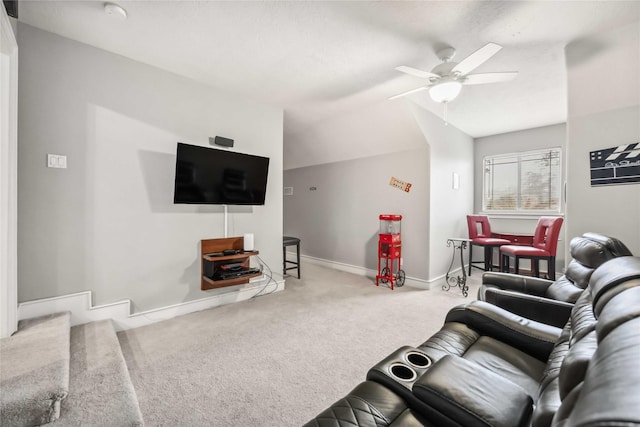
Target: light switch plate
[52, 161]
[56, 161]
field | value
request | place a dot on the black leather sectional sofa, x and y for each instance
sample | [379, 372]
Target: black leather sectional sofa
[490, 367]
[546, 300]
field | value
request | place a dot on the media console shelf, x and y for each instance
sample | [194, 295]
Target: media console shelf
[212, 259]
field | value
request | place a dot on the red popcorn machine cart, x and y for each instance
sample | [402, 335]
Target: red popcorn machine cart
[390, 252]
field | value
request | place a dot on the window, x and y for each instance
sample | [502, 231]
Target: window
[523, 182]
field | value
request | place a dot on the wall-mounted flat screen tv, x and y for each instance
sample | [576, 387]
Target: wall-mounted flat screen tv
[219, 177]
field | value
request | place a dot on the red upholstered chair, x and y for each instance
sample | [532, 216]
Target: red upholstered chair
[545, 244]
[480, 235]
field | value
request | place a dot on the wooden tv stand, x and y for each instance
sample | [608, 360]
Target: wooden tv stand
[212, 258]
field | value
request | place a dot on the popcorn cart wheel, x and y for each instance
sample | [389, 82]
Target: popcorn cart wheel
[385, 276]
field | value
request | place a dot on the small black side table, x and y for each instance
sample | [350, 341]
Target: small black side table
[457, 243]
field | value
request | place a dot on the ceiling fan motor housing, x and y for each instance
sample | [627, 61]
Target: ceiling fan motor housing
[444, 69]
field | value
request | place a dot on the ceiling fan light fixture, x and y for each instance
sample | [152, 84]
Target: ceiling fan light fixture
[445, 91]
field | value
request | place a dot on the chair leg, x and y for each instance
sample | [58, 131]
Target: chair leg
[298, 258]
[488, 251]
[535, 267]
[516, 264]
[552, 268]
[284, 260]
[504, 262]
[470, 257]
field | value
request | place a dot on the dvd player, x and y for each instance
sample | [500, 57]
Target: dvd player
[226, 275]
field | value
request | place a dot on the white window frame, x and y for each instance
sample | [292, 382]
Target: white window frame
[518, 210]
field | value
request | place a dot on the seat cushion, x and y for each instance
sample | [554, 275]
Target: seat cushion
[524, 251]
[457, 387]
[493, 241]
[508, 362]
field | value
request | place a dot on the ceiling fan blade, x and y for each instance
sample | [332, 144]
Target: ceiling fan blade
[478, 79]
[409, 92]
[476, 59]
[416, 73]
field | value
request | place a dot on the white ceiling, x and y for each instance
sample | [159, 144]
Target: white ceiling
[318, 59]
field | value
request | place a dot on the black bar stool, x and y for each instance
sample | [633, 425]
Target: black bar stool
[290, 241]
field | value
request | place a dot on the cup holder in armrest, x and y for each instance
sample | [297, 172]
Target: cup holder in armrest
[418, 359]
[403, 372]
[400, 370]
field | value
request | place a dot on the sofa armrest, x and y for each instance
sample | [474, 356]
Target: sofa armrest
[472, 395]
[540, 309]
[534, 338]
[516, 282]
[376, 405]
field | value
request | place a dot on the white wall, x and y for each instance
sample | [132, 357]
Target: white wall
[107, 223]
[604, 111]
[451, 151]
[8, 177]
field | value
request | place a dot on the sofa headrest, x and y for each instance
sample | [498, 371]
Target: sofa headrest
[611, 278]
[613, 245]
[593, 249]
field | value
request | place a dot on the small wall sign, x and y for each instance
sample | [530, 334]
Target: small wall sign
[616, 165]
[402, 185]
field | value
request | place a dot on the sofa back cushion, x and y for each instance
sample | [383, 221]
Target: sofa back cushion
[588, 252]
[601, 325]
[610, 392]
[568, 361]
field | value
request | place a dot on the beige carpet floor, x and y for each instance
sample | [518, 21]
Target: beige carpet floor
[279, 359]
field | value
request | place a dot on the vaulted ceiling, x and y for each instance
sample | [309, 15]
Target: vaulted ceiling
[319, 59]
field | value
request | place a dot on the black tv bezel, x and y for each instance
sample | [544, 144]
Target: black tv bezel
[235, 154]
[11, 7]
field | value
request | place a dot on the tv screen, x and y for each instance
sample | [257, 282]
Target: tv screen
[219, 177]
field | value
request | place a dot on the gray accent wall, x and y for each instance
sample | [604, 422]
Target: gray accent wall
[335, 206]
[604, 112]
[107, 222]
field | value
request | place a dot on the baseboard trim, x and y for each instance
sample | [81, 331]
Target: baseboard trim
[367, 272]
[362, 271]
[83, 311]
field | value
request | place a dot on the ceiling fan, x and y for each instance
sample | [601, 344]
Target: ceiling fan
[445, 80]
